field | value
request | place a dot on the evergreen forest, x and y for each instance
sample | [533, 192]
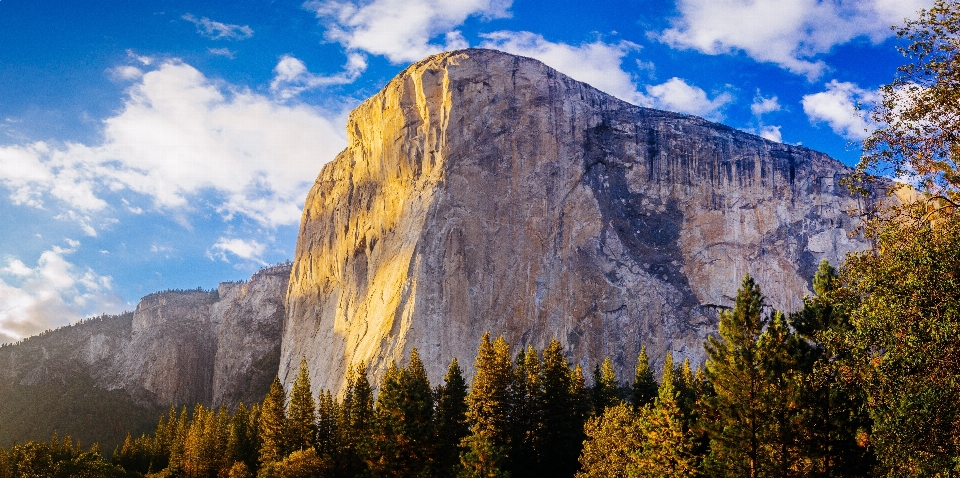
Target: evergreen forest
[863, 380]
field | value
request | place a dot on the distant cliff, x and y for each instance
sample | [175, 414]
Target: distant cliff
[482, 191]
[217, 347]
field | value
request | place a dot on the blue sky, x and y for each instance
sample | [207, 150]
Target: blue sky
[170, 144]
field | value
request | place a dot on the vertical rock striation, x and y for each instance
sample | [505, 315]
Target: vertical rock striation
[482, 191]
[216, 347]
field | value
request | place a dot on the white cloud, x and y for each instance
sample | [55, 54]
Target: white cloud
[761, 105]
[291, 76]
[177, 135]
[250, 250]
[601, 65]
[17, 268]
[598, 64]
[219, 31]
[837, 108]
[789, 33]
[52, 294]
[772, 133]
[402, 30]
[677, 95]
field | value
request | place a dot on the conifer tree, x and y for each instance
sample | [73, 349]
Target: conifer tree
[178, 439]
[418, 416]
[832, 400]
[272, 421]
[241, 444]
[525, 413]
[612, 439]
[777, 350]
[733, 368]
[301, 425]
[354, 424]
[644, 384]
[580, 407]
[481, 459]
[666, 450]
[327, 412]
[685, 385]
[451, 420]
[385, 457]
[605, 387]
[560, 435]
[490, 394]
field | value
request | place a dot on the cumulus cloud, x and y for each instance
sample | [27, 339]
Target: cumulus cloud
[771, 132]
[601, 65]
[598, 64]
[51, 294]
[837, 106]
[677, 95]
[402, 30]
[249, 250]
[762, 106]
[217, 30]
[180, 134]
[788, 33]
[291, 76]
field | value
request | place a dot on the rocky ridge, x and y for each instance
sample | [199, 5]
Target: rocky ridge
[482, 191]
[216, 347]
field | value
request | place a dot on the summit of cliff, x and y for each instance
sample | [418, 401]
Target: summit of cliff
[482, 191]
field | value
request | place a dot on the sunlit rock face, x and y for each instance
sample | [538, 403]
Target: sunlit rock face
[482, 191]
[217, 347]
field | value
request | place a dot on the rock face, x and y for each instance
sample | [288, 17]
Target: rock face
[179, 347]
[482, 191]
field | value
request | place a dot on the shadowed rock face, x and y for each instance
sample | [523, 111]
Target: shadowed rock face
[482, 191]
[215, 347]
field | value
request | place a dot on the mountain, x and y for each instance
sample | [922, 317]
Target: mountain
[98, 379]
[482, 191]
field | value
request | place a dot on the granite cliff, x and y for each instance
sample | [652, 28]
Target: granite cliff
[482, 191]
[216, 347]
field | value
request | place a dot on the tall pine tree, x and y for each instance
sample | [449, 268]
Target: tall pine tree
[301, 425]
[451, 420]
[560, 435]
[605, 387]
[272, 421]
[490, 393]
[733, 368]
[644, 388]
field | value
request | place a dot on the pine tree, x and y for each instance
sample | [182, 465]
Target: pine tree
[451, 420]
[482, 459]
[832, 400]
[301, 426]
[272, 421]
[580, 406]
[777, 349]
[666, 450]
[490, 394]
[733, 368]
[327, 412]
[385, 457]
[526, 398]
[241, 444]
[612, 438]
[178, 439]
[418, 416]
[302, 464]
[560, 436]
[644, 384]
[605, 387]
[354, 424]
